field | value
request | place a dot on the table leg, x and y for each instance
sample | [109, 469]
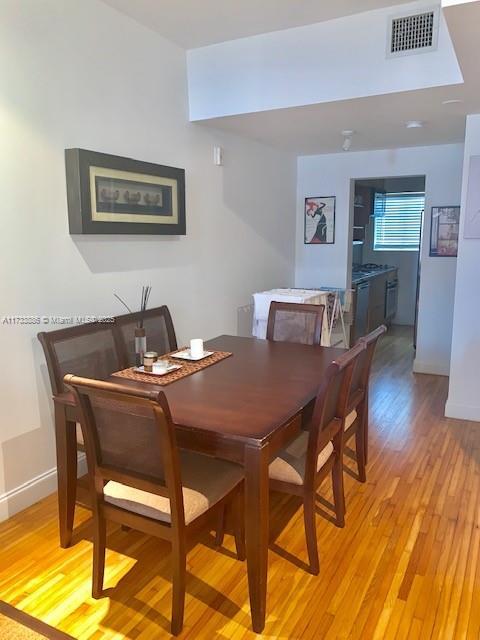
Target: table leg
[256, 530]
[66, 443]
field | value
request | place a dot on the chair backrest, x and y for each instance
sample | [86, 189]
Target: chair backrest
[89, 350]
[95, 350]
[129, 438]
[331, 406]
[363, 367]
[293, 322]
[158, 328]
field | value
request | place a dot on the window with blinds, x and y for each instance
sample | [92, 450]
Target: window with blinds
[398, 221]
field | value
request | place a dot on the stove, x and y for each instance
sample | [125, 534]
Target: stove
[369, 267]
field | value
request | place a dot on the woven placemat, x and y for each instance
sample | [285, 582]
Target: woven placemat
[187, 368]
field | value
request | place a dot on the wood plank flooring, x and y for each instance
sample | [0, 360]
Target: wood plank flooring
[405, 566]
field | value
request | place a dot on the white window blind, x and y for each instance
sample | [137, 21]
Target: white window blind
[398, 221]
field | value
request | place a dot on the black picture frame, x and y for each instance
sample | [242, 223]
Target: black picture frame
[444, 234]
[97, 183]
[329, 203]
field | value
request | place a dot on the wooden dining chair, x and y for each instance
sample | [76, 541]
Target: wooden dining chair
[303, 465]
[356, 423]
[158, 327]
[139, 478]
[292, 322]
[91, 350]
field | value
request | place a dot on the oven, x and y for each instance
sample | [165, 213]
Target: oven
[391, 298]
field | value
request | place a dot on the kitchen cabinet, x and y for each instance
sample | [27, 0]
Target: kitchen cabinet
[363, 206]
[378, 287]
[364, 209]
[376, 298]
[362, 301]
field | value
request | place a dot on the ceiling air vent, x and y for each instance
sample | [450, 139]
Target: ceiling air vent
[409, 34]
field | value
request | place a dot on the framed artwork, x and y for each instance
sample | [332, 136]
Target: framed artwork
[319, 217]
[444, 232]
[116, 195]
[472, 211]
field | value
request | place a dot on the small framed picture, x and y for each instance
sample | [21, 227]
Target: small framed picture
[472, 212]
[320, 220]
[444, 232]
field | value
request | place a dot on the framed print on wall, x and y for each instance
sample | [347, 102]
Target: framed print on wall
[444, 232]
[472, 213]
[319, 215]
[116, 195]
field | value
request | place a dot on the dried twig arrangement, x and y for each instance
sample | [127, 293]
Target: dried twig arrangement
[146, 290]
[143, 304]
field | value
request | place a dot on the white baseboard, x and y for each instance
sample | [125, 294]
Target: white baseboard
[462, 412]
[33, 490]
[432, 368]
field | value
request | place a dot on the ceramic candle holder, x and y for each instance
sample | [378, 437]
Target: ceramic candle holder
[196, 348]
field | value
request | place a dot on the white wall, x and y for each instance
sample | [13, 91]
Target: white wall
[464, 390]
[79, 74]
[313, 64]
[330, 265]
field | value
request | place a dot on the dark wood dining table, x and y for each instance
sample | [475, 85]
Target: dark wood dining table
[243, 409]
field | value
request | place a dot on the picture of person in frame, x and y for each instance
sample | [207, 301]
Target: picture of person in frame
[319, 220]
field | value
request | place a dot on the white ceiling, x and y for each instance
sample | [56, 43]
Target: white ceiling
[379, 122]
[196, 23]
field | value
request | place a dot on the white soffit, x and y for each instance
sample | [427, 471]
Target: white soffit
[331, 61]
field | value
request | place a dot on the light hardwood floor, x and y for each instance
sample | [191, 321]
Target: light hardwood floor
[405, 566]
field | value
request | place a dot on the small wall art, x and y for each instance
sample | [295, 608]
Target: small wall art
[472, 212]
[444, 232]
[319, 214]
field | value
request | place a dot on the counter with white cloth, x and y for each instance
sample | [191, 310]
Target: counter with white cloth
[263, 299]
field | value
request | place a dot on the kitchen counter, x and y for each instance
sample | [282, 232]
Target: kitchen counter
[363, 276]
[376, 296]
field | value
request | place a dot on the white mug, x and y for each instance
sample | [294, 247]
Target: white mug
[196, 348]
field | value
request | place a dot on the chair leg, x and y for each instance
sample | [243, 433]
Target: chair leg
[311, 532]
[179, 577]
[338, 491]
[239, 524]
[99, 544]
[360, 454]
[219, 534]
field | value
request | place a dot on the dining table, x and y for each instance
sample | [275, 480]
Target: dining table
[244, 409]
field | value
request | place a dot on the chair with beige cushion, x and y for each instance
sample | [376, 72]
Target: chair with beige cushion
[356, 423]
[302, 466]
[94, 350]
[139, 479]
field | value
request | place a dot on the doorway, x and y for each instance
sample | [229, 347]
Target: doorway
[387, 222]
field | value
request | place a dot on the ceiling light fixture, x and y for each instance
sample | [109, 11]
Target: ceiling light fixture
[414, 124]
[347, 143]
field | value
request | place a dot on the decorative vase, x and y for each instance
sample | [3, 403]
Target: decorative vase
[140, 345]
